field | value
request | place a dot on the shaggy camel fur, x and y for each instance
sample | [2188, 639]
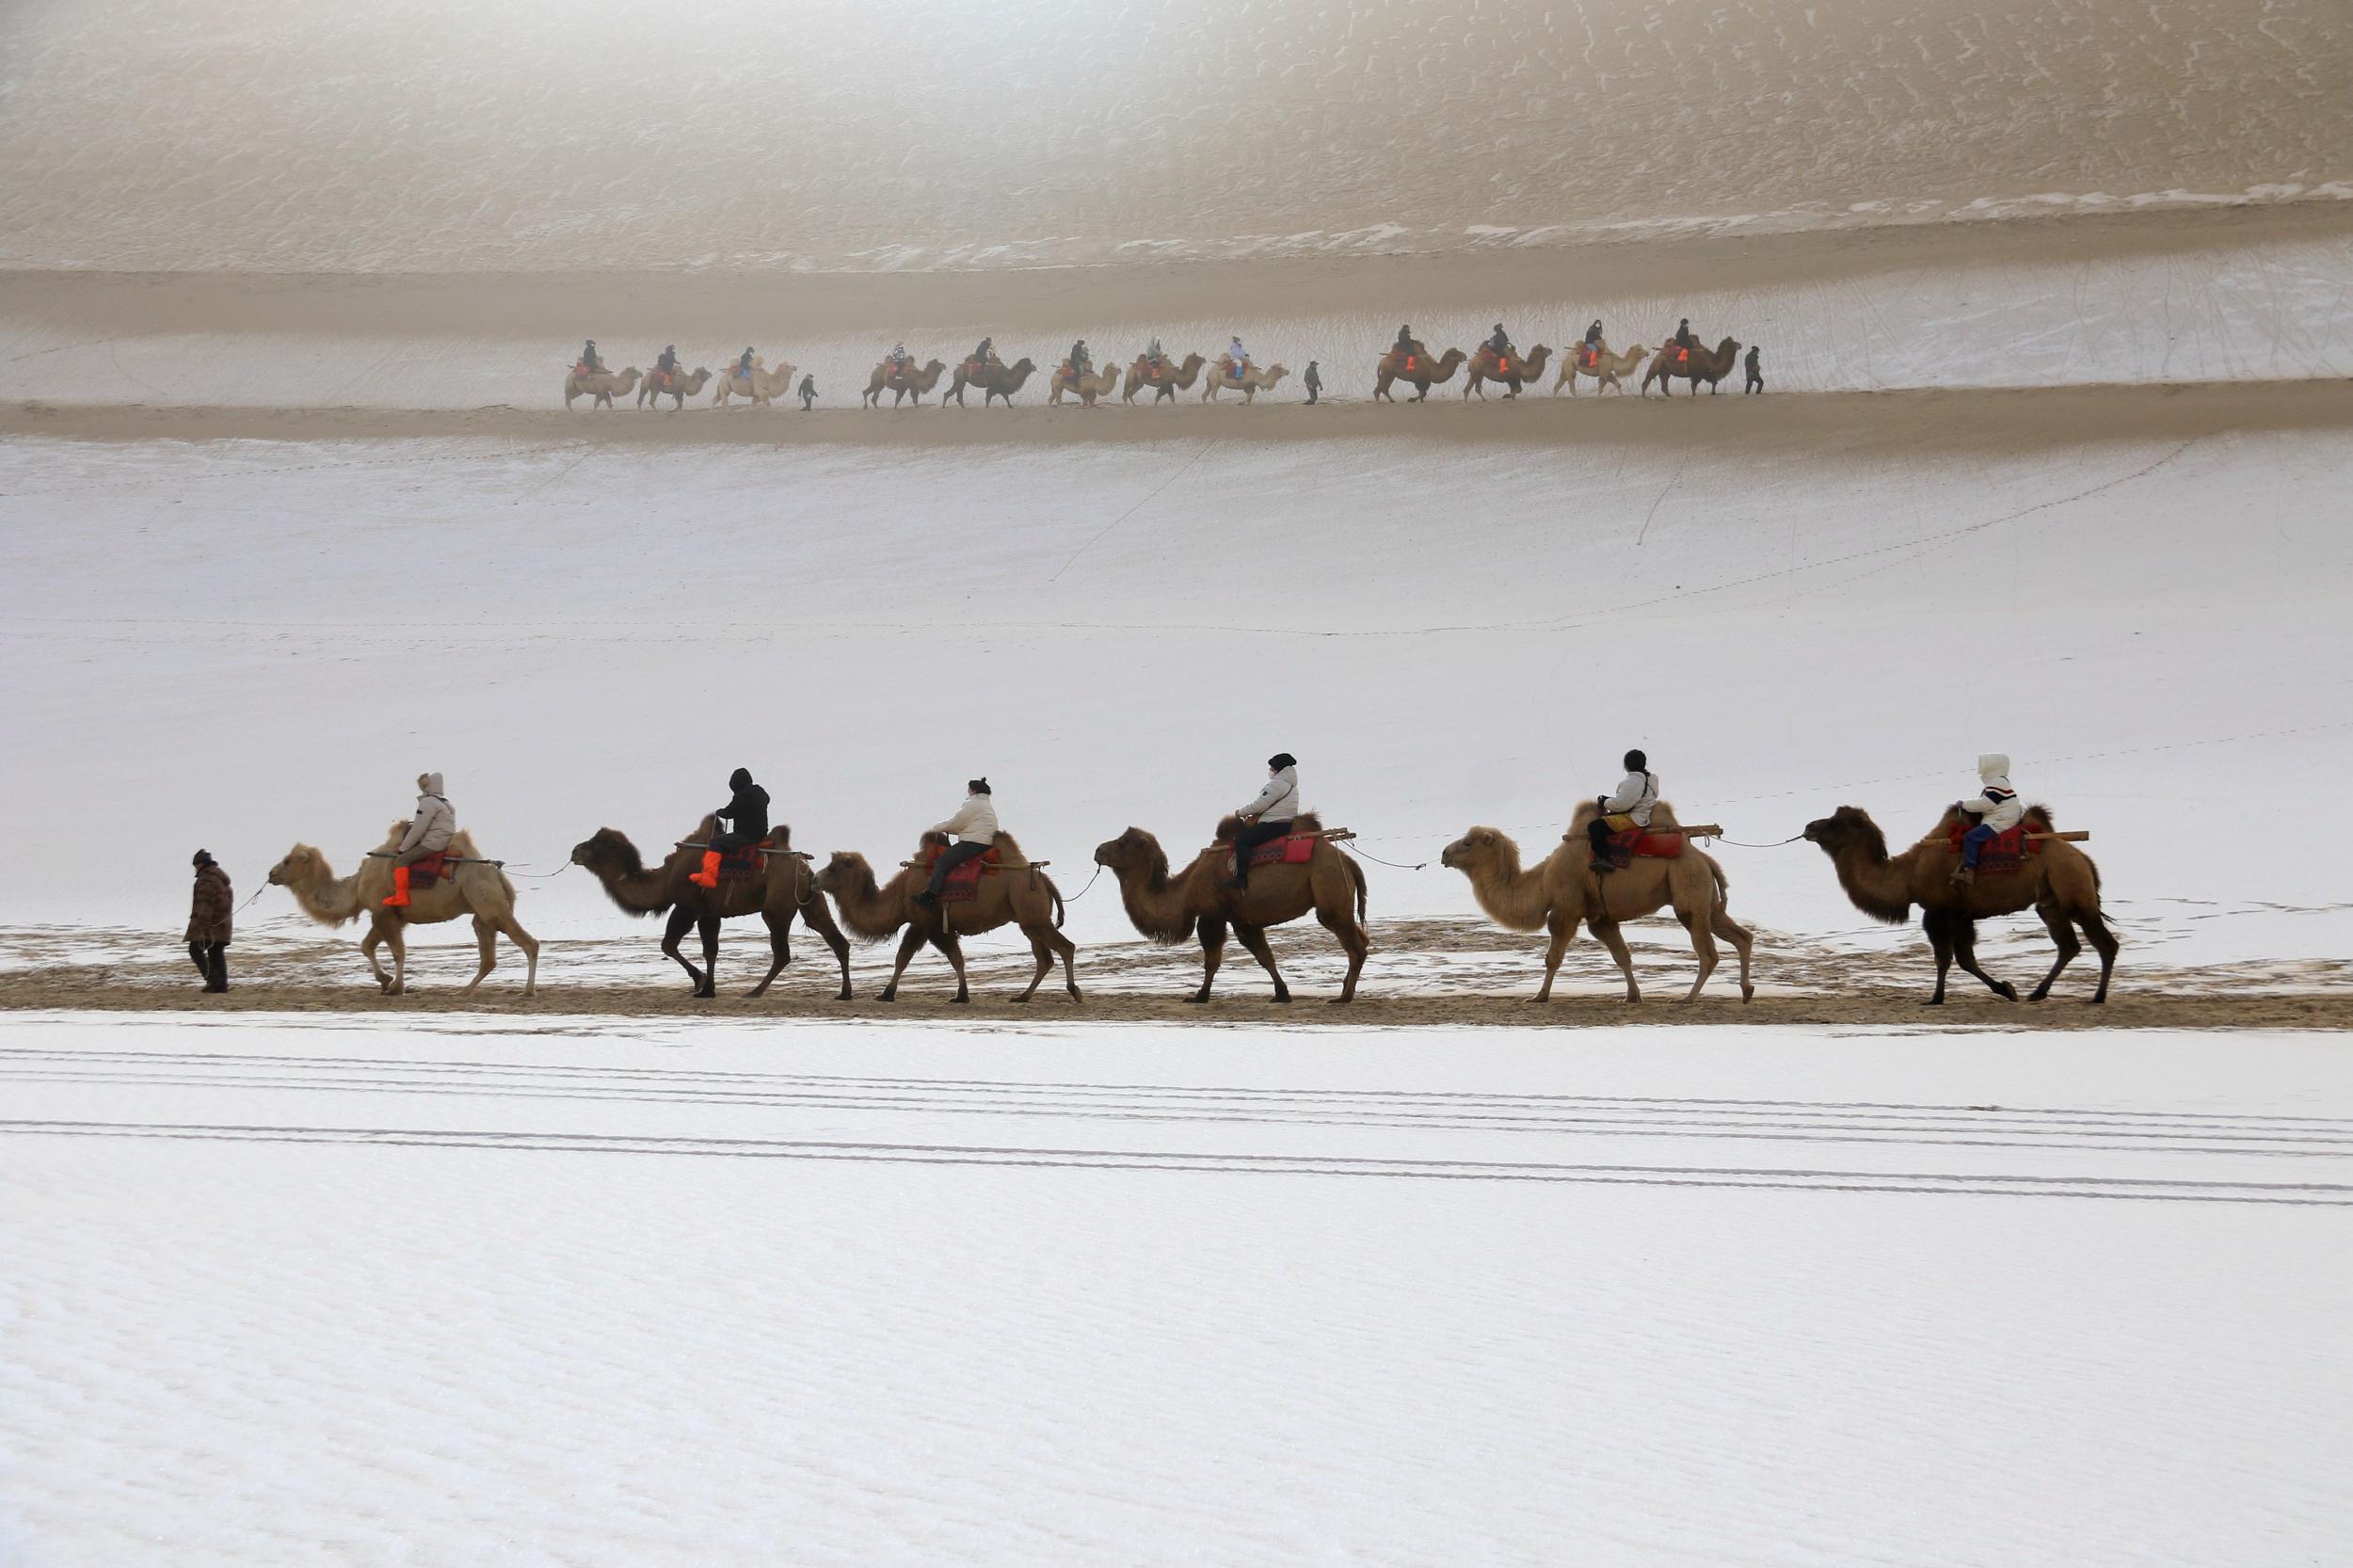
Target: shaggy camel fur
[1425, 375]
[1165, 382]
[1510, 374]
[1607, 367]
[1086, 389]
[1250, 384]
[761, 389]
[481, 891]
[914, 384]
[600, 386]
[995, 381]
[783, 891]
[1170, 909]
[1565, 890]
[1017, 892]
[1668, 364]
[2060, 884]
[677, 388]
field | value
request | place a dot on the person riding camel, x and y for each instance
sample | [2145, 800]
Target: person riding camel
[986, 353]
[589, 364]
[1408, 347]
[430, 828]
[743, 366]
[1082, 363]
[1627, 806]
[1155, 356]
[898, 360]
[1499, 345]
[746, 816]
[1592, 334]
[1269, 817]
[665, 366]
[1237, 360]
[1996, 810]
[1683, 338]
[975, 827]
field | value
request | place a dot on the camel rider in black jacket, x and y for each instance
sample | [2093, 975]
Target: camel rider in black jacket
[1592, 334]
[743, 367]
[1082, 363]
[1499, 343]
[667, 363]
[747, 817]
[986, 353]
[588, 359]
[1683, 334]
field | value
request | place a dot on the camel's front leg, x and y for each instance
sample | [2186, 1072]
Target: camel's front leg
[820, 921]
[368, 945]
[486, 936]
[1965, 954]
[1213, 954]
[1563, 924]
[400, 959]
[673, 935]
[908, 946]
[709, 927]
[1615, 941]
[1253, 937]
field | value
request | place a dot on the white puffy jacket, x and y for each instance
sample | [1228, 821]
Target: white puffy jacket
[1279, 800]
[975, 821]
[1995, 802]
[1636, 794]
[434, 821]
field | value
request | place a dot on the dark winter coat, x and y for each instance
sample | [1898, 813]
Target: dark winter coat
[747, 812]
[208, 913]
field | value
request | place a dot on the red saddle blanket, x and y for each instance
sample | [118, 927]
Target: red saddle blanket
[1679, 354]
[426, 873]
[965, 881]
[2004, 851]
[1624, 847]
[1588, 357]
[1295, 849]
[663, 379]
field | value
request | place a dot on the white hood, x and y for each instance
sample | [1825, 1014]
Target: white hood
[1993, 766]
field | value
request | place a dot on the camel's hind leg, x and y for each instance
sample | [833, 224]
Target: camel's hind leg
[486, 936]
[1253, 938]
[779, 948]
[1563, 925]
[1213, 954]
[2063, 936]
[1703, 945]
[1615, 941]
[528, 943]
[1046, 944]
[1352, 938]
[1743, 941]
[2102, 943]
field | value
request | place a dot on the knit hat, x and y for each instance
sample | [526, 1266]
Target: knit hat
[1281, 759]
[202, 858]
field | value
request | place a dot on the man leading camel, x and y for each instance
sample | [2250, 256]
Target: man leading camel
[430, 827]
[1996, 810]
[1269, 817]
[209, 914]
[1627, 806]
[975, 827]
[747, 817]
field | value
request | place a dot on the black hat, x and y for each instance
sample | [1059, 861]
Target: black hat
[740, 778]
[202, 858]
[976, 785]
[1281, 759]
[1637, 763]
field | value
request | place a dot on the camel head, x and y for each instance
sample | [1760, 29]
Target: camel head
[1133, 851]
[1849, 827]
[1275, 373]
[1478, 849]
[842, 871]
[608, 851]
[302, 867]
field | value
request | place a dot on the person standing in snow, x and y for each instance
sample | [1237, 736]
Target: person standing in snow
[975, 828]
[1626, 807]
[209, 914]
[1314, 383]
[1996, 810]
[1269, 817]
[430, 828]
[808, 392]
[747, 817]
[1756, 374]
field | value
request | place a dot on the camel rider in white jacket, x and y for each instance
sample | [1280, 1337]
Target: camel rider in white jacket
[1626, 807]
[1997, 807]
[1270, 816]
[975, 827]
[430, 828]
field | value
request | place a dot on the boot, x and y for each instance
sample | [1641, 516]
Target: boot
[926, 898]
[400, 890]
[1237, 884]
[1965, 875]
[1604, 866]
[708, 876]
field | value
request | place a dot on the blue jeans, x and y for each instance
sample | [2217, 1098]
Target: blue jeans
[1973, 842]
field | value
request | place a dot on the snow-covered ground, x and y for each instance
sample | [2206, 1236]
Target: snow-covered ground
[470, 1291]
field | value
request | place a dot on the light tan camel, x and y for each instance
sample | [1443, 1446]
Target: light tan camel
[1169, 909]
[1421, 374]
[782, 891]
[479, 891]
[2060, 884]
[677, 387]
[760, 390]
[1672, 363]
[1017, 892]
[994, 379]
[1607, 367]
[1510, 373]
[600, 386]
[1250, 383]
[1164, 382]
[1565, 890]
[914, 384]
[1086, 389]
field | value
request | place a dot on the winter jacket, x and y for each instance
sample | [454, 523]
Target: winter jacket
[1313, 381]
[975, 821]
[747, 812]
[433, 823]
[1279, 800]
[208, 913]
[1995, 802]
[1636, 794]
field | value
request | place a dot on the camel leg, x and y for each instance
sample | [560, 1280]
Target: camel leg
[1352, 938]
[527, 942]
[952, 950]
[486, 936]
[1607, 931]
[400, 959]
[2054, 921]
[779, 948]
[1742, 941]
[1941, 943]
[368, 945]
[681, 922]
[1563, 924]
[1213, 954]
[1253, 938]
[709, 926]
[1703, 944]
[2102, 943]
[820, 920]
[908, 945]
[1965, 954]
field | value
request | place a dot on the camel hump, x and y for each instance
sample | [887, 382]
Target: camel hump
[461, 846]
[1009, 853]
[1227, 826]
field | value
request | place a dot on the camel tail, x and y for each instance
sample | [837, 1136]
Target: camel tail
[1060, 908]
[1357, 874]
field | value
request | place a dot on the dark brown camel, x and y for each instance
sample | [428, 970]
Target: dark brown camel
[1693, 365]
[1507, 371]
[995, 381]
[913, 383]
[1165, 380]
[1417, 371]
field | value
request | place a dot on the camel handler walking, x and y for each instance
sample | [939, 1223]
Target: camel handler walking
[208, 922]
[1626, 807]
[430, 827]
[1313, 380]
[1269, 817]
[746, 816]
[1756, 371]
[1998, 812]
[975, 827]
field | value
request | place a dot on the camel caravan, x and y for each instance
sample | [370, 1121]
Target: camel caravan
[1408, 363]
[1625, 855]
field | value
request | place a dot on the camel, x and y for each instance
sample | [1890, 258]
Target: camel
[760, 389]
[600, 386]
[1165, 382]
[1510, 373]
[1086, 389]
[1250, 383]
[1169, 909]
[2060, 884]
[478, 890]
[915, 383]
[1607, 367]
[995, 380]
[783, 889]
[677, 387]
[1423, 374]
[1565, 890]
[1697, 366]
[1016, 892]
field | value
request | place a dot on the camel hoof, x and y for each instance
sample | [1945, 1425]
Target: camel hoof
[1282, 998]
[1748, 993]
[1198, 997]
[1933, 1002]
[959, 1001]
[2005, 991]
[2038, 993]
[890, 995]
[844, 995]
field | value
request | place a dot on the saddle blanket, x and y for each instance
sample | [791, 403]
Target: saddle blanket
[1294, 850]
[430, 869]
[2004, 851]
[1589, 358]
[965, 881]
[742, 862]
[1623, 847]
